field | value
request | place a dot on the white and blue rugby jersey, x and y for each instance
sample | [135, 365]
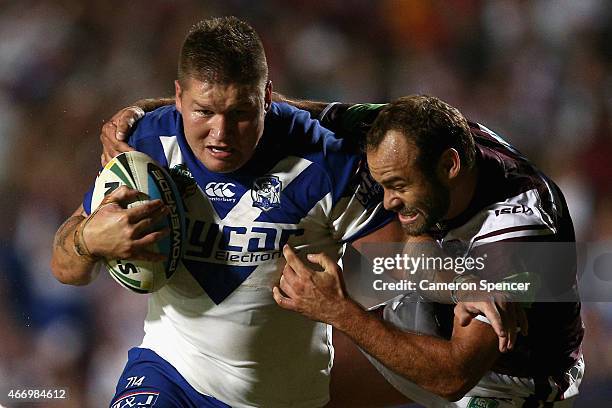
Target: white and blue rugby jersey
[216, 320]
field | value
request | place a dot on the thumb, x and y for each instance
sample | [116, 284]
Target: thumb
[325, 261]
[126, 120]
[463, 315]
[124, 196]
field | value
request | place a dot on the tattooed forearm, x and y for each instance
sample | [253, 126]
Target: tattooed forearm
[65, 231]
[67, 265]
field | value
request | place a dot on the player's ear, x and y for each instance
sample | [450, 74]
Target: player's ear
[449, 165]
[268, 96]
[178, 92]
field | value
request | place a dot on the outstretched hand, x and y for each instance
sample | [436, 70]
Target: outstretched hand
[506, 317]
[317, 295]
[321, 296]
[114, 132]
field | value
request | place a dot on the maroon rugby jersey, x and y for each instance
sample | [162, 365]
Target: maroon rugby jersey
[516, 211]
[515, 208]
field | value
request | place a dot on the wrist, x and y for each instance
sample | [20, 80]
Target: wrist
[347, 313]
[80, 246]
[460, 295]
[83, 242]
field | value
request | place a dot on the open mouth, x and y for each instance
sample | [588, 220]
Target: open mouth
[220, 152]
[407, 217]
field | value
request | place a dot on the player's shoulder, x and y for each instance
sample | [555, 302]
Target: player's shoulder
[282, 109]
[158, 122]
[295, 127]
[301, 135]
[513, 199]
[296, 134]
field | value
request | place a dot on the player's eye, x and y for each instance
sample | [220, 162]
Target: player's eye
[204, 112]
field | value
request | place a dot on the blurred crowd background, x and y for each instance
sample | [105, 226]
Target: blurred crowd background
[539, 72]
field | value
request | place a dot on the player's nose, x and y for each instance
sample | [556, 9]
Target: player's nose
[219, 128]
[391, 201]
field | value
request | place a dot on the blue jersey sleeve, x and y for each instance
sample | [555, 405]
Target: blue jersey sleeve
[150, 130]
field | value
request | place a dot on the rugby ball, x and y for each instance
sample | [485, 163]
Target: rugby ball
[140, 172]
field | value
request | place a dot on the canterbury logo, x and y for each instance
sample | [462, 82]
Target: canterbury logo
[220, 190]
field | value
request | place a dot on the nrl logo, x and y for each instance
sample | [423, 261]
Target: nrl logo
[266, 192]
[184, 180]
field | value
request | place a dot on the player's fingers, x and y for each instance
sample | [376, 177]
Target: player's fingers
[502, 344]
[295, 262]
[509, 319]
[148, 224]
[289, 273]
[125, 119]
[492, 314]
[151, 238]
[286, 287]
[145, 210]
[107, 138]
[111, 146]
[105, 158]
[121, 147]
[282, 301]
[123, 196]
[463, 315]
[496, 318]
[122, 193]
[325, 261]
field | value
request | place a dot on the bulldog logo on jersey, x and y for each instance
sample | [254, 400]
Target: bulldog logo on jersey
[266, 192]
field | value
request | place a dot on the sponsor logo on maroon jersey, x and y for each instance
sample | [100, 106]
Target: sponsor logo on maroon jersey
[515, 209]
